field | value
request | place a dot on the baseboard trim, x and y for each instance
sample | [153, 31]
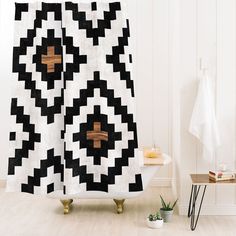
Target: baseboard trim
[161, 182]
[2, 183]
[221, 210]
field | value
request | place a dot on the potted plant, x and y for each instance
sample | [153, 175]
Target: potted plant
[155, 221]
[167, 209]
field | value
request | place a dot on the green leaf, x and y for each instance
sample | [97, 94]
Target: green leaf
[163, 202]
[158, 216]
[174, 203]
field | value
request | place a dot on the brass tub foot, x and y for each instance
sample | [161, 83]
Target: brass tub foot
[66, 204]
[119, 205]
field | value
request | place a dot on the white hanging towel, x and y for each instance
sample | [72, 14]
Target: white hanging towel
[203, 122]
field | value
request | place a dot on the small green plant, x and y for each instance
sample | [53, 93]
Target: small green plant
[167, 206]
[154, 217]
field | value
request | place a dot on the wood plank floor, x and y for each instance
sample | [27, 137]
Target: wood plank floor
[27, 215]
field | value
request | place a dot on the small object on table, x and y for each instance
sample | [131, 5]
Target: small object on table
[152, 152]
[221, 175]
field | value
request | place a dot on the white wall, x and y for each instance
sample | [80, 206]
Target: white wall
[169, 36]
[206, 30]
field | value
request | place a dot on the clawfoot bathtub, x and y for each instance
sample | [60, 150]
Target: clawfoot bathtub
[147, 171]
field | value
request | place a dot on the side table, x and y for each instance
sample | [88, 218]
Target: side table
[198, 181]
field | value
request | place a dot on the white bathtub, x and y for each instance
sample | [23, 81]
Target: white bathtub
[147, 173]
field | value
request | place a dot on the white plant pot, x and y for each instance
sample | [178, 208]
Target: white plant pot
[154, 224]
[166, 215]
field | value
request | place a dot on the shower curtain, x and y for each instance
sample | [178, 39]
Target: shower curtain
[73, 123]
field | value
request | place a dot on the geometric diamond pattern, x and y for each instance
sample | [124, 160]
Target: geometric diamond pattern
[73, 118]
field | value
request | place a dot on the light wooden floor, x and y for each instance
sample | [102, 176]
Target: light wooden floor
[27, 215]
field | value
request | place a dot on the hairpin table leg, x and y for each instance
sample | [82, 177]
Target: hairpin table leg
[190, 202]
[192, 205]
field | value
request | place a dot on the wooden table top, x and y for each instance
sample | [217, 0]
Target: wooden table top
[203, 179]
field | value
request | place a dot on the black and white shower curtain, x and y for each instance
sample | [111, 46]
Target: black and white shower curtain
[73, 125]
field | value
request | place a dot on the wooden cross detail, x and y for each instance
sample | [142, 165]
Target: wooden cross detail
[51, 59]
[97, 135]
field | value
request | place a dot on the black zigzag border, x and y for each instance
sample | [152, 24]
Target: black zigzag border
[34, 137]
[39, 173]
[103, 24]
[114, 59]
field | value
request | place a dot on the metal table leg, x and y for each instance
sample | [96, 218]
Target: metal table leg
[192, 204]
